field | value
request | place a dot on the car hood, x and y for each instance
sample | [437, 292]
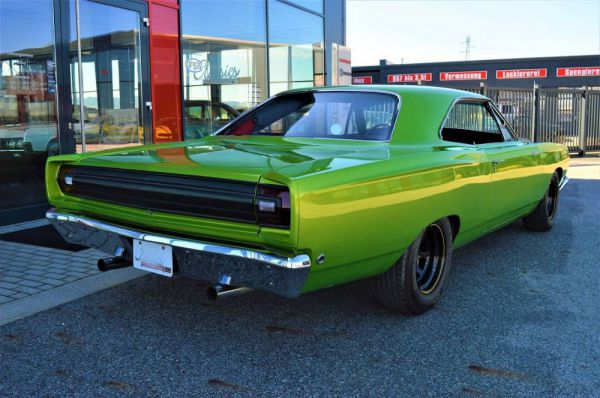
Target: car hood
[242, 158]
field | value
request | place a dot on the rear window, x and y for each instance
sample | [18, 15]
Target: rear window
[342, 115]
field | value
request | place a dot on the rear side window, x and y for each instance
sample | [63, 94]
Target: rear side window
[507, 131]
[340, 115]
[471, 123]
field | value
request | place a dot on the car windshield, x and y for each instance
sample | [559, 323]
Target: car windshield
[333, 114]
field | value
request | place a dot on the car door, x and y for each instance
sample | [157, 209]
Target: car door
[515, 168]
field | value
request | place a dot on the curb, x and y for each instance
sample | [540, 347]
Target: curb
[31, 305]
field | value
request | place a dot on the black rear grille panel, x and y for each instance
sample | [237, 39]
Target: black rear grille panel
[169, 193]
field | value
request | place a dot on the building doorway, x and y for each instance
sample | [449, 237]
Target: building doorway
[44, 110]
[113, 60]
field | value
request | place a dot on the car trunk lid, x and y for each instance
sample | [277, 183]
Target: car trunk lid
[232, 158]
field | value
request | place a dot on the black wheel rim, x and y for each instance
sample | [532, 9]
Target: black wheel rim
[552, 200]
[430, 259]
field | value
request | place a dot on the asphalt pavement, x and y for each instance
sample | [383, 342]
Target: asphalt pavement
[520, 317]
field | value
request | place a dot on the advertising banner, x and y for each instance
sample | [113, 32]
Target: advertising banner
[342, 65]
[362, 80]
[409, 77]
[578, 71]
[522, 73]
[468, 75]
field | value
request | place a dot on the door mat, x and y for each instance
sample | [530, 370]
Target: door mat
[45, 236]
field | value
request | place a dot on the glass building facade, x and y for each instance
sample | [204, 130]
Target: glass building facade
[100, 74]
[240, 58]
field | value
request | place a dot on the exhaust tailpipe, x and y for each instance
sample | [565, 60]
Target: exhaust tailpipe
[219, 292]
[110, 263]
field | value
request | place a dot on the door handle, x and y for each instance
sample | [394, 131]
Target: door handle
[495, 164]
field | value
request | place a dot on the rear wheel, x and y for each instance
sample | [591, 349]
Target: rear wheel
[414, 284]
[542, 217]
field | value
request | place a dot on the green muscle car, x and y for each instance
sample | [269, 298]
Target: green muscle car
[315, 188]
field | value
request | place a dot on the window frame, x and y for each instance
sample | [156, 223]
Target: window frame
[502, 122]
[316, 90]
[488, 105]
[305, 8]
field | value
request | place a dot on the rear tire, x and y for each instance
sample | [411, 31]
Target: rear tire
[542, 218]
[414, 284]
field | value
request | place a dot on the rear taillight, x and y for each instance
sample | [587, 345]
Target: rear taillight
[272, 206]
[65, 179]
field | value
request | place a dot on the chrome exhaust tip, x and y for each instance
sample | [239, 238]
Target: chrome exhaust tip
[219, 292]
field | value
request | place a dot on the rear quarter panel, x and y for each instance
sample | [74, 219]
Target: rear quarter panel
[552, 157]
[363, 217]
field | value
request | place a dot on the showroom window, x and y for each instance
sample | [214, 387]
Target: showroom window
[28, 122]
[314, 5]
[295, 48]
[224, 62]
[226, 69]
[111, 69]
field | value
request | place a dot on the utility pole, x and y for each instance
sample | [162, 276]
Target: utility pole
[468, 47]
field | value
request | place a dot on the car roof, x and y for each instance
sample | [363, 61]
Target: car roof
[422, 110]
[396, 89]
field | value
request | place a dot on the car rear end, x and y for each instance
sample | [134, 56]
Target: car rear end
[221, 231]
[225, 209]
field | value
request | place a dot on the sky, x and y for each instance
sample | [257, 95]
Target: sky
[435, 31]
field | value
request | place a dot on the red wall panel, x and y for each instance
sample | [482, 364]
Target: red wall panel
[164, 71]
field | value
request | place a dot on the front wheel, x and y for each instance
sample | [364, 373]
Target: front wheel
[414, 284]
[542, 217]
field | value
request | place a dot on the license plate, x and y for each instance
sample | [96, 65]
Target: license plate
[153, 257]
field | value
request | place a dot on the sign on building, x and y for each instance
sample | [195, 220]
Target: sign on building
[578, 71]
[522, 73]
[362, 80]
[468, 75]
[409, 77]
[342, 65]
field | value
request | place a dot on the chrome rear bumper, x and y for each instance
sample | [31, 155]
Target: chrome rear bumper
[205, 261]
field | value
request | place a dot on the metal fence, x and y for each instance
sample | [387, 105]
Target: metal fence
[517, 107]
[563, 115]
[592, 121]
[560, 120]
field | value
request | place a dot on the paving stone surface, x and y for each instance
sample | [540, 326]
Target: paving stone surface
[26, 270]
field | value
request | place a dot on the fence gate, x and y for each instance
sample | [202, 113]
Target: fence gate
[592, 121]
[560, 117]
